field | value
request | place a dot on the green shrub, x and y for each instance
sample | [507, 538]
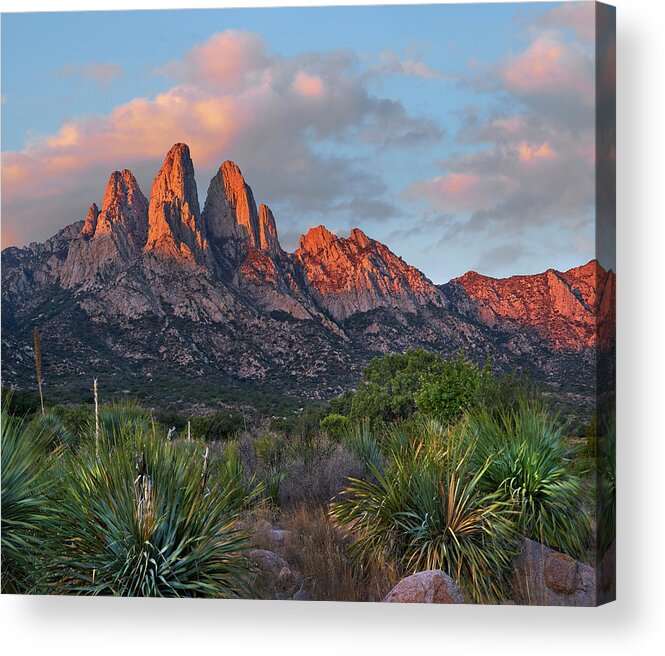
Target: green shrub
[51, 428]
[530, 463]
[426, 511]
[19, 403]
[218, 427]
[336, 426]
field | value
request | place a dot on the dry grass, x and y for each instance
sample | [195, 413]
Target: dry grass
[317, 548]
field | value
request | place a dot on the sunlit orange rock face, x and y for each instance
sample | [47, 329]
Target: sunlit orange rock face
[562, 307]
[358, 274]
[175, 226]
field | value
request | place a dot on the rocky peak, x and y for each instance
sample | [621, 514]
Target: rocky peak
[230, 210]
[315, 240]
[124, 209]
[360, 238]
[268, 240]
[90, 223]
[175, 227]
[358, 274]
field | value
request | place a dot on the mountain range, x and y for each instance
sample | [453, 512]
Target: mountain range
[158, 294]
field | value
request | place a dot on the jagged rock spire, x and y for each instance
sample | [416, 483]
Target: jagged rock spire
[268, 240]
[124, 210]
[175, 227]
[90, 223]
[230, 210]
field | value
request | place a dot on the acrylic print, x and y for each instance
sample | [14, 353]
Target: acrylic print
[310, 303]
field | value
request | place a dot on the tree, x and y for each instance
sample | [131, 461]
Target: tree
[455, 387]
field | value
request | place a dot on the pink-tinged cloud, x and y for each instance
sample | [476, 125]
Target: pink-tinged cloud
[580, 17]
[460, 192]
[529, 153]
[309, 86]
[552, 67]
[225, 60]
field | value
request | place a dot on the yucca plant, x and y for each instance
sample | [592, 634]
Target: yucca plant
[426, 511]
[146, 518]
[529, 462]
[26, 482]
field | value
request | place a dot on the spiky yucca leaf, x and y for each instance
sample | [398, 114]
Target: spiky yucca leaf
[26, 482]
[50, 428]
[425, 511]
[530, 464]
[145, 518]
[364, 446]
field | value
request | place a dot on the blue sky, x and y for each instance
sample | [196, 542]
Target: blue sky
[441, 130]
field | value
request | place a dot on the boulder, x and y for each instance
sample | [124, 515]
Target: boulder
[429, 587]
[545, 577]
[274, 579]
[561, 573]
[268, 561]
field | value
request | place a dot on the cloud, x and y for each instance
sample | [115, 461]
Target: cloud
[230, 99]
[310, 86]
[579, 17]
[461, 191]
[100, 72]
[533, 152]
[551, 67]
[389, 63]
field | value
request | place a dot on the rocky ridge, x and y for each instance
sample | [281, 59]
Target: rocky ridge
[156, 289]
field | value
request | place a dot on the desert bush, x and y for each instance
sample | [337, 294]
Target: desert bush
[20, 403]
[320, 550]
[217, 427]
[316, 475]
[426, 511]
[389, 385]
[27, 457]
[145, 518]
[530, 463]
[336, 426]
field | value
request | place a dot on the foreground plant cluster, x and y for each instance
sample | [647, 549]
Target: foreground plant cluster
[452, 474]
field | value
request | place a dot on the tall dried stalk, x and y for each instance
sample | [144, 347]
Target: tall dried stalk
[94, 388]
[38, 365]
